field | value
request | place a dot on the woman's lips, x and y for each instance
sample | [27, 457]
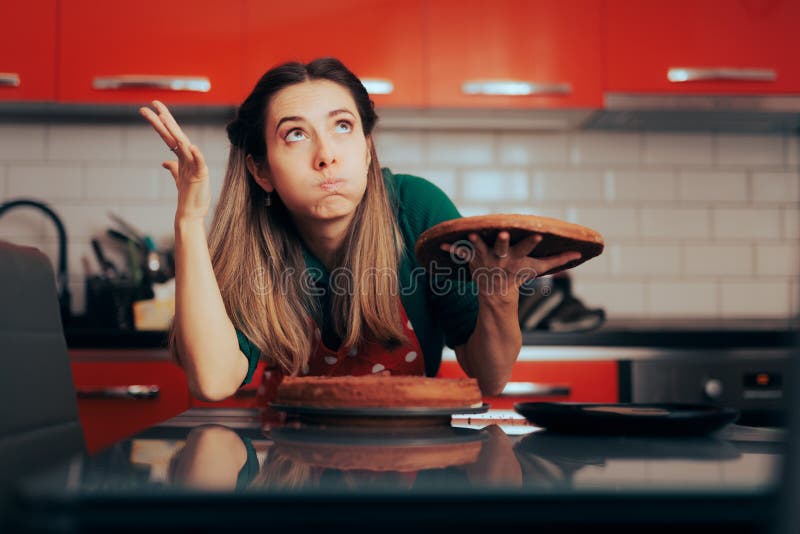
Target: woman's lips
[331, 185]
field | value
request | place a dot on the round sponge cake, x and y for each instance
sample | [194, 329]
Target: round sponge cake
[378, 391]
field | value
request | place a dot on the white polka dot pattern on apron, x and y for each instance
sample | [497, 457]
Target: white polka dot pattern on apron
[353, 351]
[411, 356]
[408, 324]
[377, 368]
[331, 360]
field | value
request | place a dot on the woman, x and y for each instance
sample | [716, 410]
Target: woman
[309, 262]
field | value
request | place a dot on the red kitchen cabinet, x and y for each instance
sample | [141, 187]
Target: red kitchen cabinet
[588, 381]
[105, 419]
[546, 53]
[181, 52]
[28, 50]
[381, 41]
[723, 46]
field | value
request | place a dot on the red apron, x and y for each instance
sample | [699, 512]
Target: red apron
[366, 358]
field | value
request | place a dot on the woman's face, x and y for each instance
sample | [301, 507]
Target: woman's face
[316, 149]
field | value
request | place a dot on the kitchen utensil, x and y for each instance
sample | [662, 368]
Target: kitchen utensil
[130, 230]
[557, 237]
[626, 418]
[107, 266]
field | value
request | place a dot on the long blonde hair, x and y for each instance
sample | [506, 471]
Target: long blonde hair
[257, 254]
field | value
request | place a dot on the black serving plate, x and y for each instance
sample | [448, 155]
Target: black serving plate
[627, 418]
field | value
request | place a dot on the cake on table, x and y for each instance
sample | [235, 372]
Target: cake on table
[378, 391]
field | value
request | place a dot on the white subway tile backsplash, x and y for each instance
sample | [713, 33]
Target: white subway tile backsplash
[682, 298]
[24, 223]
[606, 147]
[154, 220]
[532, 148]
[570, 186]
[688, 148]
[215, 145]
[776, 186]
[216, 175]
[744, 223]
[461, 149]
[85, 142]
[620, 299]
[400, 148]
[791, 223]
[22, 142]
[598, 267]
[45, 182]
[141, 143]
[122, 182]
[695, 224]
[792, 150]
[642, 185]
[84, 221]
[718, 260]
[778, 260]
[610, 222]
[748, 298]
[676, 223]
[486, 185]
[645, 260]
[713, 186]
[751, 150]
[531, 209]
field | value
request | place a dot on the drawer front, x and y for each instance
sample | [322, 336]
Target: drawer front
[575, 381]
[112, 405]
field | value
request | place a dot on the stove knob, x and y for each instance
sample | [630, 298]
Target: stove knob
[713, 388]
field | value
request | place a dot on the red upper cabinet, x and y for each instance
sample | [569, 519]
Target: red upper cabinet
[704, 46]
[181, 51]
[515, 53]
[28, 50]
[381, 41]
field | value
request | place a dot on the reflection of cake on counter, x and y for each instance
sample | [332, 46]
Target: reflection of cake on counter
[355, 449]
[378, 391]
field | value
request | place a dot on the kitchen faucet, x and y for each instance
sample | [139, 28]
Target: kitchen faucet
[64, 297]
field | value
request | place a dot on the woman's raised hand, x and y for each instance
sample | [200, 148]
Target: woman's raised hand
[190, 171]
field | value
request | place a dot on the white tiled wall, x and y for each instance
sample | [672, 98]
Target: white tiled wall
[696, 224]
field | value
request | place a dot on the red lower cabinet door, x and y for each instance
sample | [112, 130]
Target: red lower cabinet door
[116, 400]
[574, 381]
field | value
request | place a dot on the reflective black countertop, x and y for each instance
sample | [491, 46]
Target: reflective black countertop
[220, 468]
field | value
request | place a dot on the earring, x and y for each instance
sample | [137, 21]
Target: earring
[268, 199]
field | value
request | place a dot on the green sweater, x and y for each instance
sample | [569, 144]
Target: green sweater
[438, 319]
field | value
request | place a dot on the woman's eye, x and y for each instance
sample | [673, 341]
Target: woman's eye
[344, 126]
[295, 135]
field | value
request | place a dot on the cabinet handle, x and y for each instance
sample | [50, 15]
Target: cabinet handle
[9, 79]
[198, 84]
[532, 389]
[135, 392]
[690, 74]
[378, 86]
[514, 88]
